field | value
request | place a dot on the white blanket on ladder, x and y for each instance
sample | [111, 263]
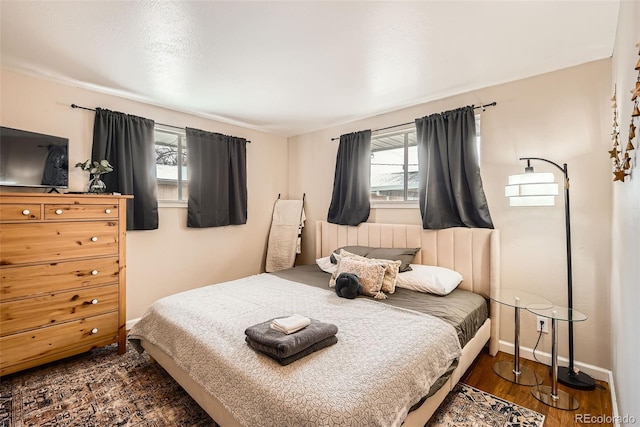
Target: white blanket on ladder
[286, 227]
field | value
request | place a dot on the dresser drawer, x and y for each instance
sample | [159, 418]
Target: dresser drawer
[52, 309]
[19, 212]
[43, 343]
[41, 242]
[75, 211]
[24, 281]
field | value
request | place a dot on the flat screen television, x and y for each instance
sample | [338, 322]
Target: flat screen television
[30, 159]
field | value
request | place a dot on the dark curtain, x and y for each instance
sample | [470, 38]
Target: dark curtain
[217, 166]
[450, 186]
[127, 142]
[351, 185]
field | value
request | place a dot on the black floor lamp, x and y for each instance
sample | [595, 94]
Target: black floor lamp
[539, 189]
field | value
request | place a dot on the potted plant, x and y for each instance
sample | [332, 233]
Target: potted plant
[96, 168]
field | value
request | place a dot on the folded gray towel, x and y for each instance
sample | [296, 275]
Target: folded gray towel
[297, 356]
[286, 345]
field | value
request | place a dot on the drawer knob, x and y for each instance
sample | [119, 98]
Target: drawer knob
[94, 301]
[94, 273]
[58, 211]
[94, 331]
[26, 212]
[107, 211]
[94, 239]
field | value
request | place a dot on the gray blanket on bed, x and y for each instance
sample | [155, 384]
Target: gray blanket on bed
[464, 310]
[282, 345]
[296, 356]
[390, 356]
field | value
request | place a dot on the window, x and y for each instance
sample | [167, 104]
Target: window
[171, 164]
[394, 166]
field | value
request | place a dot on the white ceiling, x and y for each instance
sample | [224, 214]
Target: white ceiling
[294, 67]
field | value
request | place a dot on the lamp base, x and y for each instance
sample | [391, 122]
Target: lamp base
[579, 380]
[562, 400]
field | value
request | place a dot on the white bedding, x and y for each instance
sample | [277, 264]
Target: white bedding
[385, 360]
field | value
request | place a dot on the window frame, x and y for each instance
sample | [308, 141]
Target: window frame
[396, 204]
[181, 146]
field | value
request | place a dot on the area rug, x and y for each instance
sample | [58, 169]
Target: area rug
[103, 389]
[467, 406]
[98, 389]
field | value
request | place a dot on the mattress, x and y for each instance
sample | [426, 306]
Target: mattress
[464, 310]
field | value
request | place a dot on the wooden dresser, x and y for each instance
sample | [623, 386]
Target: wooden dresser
[62, 265]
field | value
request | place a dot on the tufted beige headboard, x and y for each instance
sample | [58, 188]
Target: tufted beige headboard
[473, 252]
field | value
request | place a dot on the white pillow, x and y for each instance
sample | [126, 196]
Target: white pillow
[429, 278]
[326, 265]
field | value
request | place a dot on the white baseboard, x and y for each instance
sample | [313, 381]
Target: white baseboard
[614, 401]
[595, 372]
[132, 322]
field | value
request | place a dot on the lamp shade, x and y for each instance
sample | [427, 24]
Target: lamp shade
[531, 189]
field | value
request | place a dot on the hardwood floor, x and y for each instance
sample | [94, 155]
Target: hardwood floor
[593, 404]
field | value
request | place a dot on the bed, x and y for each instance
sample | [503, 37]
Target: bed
[224, 391]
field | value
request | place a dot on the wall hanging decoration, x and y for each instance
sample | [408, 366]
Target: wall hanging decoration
[622, 160]
[620, 166]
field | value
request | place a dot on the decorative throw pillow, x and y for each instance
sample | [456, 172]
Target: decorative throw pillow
[429, 278]
[390, 276]
[369, 274]
[392, 268]
[348, 286]
[406, 255]
[358, 250]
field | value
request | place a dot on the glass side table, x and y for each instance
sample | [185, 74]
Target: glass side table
[513, 371]
[550, 395]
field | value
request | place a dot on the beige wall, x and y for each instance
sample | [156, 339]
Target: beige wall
[625, 277]
[562, 116]
[173, 258]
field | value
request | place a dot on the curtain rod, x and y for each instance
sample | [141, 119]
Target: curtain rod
[161, 124]
[492, 104]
